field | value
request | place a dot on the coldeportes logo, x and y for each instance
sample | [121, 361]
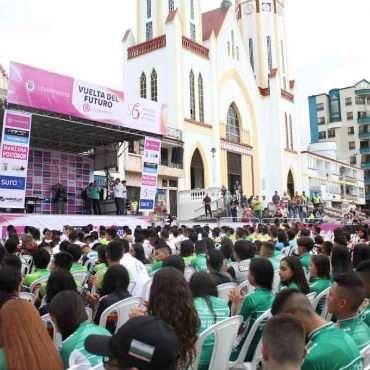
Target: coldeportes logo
[30, 86]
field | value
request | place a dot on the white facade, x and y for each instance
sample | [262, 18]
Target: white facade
[262, 153]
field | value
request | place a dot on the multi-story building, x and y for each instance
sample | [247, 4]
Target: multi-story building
[224, 75]
[343, 116]
[335, 181]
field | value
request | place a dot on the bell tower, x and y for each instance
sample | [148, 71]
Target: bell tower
[152, 16]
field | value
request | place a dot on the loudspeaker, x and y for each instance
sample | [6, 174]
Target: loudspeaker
[177, 154]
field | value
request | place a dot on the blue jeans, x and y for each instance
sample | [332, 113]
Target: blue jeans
[257, 214]
[234, 214]
[118, 202]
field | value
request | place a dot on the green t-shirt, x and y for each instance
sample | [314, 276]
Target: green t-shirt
[3, 362]
[257, 205]
[98, 267]
[357, 330]
[199, 263]
[188, 260]
[221, 310]
[275, 263]
[156, 267]
[317, 286]
[30, 278]
[94, 192]
[277, 253]
[290, 285]
[253, 306]
[77, 267]
[305, 261]
[365, 315]
[73, 350]
[329, 348]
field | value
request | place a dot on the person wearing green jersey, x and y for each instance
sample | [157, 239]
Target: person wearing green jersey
[253, 305]
[320, 277]
[199, 263]
[41, 259]
[95, 198]
[187, 251]
[257, 207]
[304, 247]
[227, 249]
[100, 263]
[268, 251]
[68, 313]
[344, 299]
[161, 252]
[283, 342]
[210, 309]
[75, 251]
[363, 272]
[328, 347]
[292, 275]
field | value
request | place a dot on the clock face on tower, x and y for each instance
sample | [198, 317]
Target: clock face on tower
[266, 7]
[248, 10]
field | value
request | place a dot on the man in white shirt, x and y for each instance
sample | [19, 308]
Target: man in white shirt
[265, 203]
[124, 197]
[118, 196]
[135, 268]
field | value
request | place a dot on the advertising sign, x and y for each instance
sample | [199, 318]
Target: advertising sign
[33, 87]
[14, 155]
[151, 157]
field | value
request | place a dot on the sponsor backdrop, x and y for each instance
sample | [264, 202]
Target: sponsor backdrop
[46, 168]
[33, 87]
[14, 155]
[151, 157]
[56, 222]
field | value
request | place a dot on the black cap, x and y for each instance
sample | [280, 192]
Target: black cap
[144, 342]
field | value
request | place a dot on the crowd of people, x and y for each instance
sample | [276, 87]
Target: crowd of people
[177, 272]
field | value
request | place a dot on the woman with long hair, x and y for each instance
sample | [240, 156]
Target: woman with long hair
[114, 289]
[361, 252]
[341, 260]
[25, 343]
[171, 300]
[210, 308]
[253, 305]
[292, 275]
[58, 281]
[137, 251]
[67, 312]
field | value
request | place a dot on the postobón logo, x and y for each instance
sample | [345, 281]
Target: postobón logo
[30, 86]
[12, 182]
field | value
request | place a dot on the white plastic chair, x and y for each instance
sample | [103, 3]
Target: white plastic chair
[280, 257]
[29, 260]
[188, 273]
[245, 287]
[146, 290]
[322, 296]
[148, 266]
[311, 298]
[26, 268]
[57, 338]
[98, 273]
[89, 312]
[224, 333]
[122, 308]
[81, 276]
[365, 354]
[131, 286]
[38, 282]
[276, 282]
[239, 362]
[28, 296]
[98, 367]
[367, 367]
[224, 290]
[325, 314]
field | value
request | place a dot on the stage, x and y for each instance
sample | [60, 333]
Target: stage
[56, 222]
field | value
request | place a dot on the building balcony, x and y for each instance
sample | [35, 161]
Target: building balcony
[349, 179]
[350, 196]
[146, 47]
[364, 150]
[174, 133]
[363, 92]
[363, 120]
[364, 135]
[167, 163]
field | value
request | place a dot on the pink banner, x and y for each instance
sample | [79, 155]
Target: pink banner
[33, 87]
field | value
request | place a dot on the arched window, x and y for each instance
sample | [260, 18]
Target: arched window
[232, 125]
[286, 132]
[171, 5]
[148, 8]
[192, 95]
[201, 98]
[232, 44]
[143, 85]
[154, 85]
[291, 131]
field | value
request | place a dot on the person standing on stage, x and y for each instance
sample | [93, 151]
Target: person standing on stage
[95, 197]
[60, 199]
[124, 197]
[118, 196]
[207, 205]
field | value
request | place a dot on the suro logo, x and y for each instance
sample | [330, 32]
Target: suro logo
[86, 107]
[30, 86]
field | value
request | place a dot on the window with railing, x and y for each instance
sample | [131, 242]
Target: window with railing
[322, 135]
[192, 95]
[149, 31]
[148, 8]
[331, 133]
[269, 52]
[351, 130]
[321, 120]
[312, 163]
[192, 9]
[319, 106]
[364, 129]
[348, 101]
[192, 32]
[353, 159]
[364, 144]
[361, 114]
[351, 145]
[349, 116]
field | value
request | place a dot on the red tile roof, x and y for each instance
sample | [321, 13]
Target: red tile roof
[126, 35]
[212, 21]
[171, 16]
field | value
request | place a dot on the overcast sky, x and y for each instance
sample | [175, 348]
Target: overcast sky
[328, 40]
